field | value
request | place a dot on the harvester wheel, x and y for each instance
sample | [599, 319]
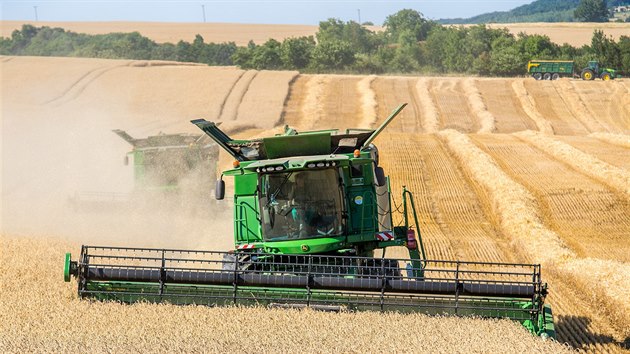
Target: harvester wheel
[587, 74]
[547, 76]
[606, 76]
[555, 76]
[537, 76]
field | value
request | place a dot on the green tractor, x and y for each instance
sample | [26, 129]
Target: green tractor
[313, 218]
[593, 70]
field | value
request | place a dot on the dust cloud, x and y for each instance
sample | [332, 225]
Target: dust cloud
[63, 171]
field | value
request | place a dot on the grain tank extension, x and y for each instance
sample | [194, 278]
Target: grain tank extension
[310, 210]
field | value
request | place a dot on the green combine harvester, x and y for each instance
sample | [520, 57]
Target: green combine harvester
[310, 210]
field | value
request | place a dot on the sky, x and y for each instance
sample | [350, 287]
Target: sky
[308, 12]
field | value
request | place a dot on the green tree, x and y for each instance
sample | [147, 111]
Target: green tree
[296, 53]
[405, 21]
[624, 49]
[605, 49]
[267, 56]
[332, 55]
[360, 39]
[592, 11]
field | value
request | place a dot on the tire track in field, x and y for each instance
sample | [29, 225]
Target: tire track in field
[234, 97]
[503, 104]
[77, 87]
[452, 106]
[391, 92]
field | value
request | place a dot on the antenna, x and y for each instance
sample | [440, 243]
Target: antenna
[203, 11]
[359, 11]
[36, 18]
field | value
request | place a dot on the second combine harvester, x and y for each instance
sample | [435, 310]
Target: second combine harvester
[310, 209]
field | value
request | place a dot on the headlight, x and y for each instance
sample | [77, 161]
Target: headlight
[310, 165]
[279, 168]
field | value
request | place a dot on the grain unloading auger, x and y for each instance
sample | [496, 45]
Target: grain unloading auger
[310, 209]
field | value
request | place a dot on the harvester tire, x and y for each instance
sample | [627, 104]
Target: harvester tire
[537, 76]
[587, 74]
[555, 76]
[606, 76]
[547, 76]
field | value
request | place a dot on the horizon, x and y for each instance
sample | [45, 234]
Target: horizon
[277, 12]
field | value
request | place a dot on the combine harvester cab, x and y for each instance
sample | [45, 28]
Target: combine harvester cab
[310, 209]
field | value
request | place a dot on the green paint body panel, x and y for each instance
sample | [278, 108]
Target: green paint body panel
[297, 145]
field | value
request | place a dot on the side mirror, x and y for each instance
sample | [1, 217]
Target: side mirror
[219, 191]
[379, 174]
[126, 161]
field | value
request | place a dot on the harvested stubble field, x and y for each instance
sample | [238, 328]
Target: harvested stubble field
[503, 170]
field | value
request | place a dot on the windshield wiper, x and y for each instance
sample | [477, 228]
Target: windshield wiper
[277, 191]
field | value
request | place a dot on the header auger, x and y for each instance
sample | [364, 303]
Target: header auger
[310, 209]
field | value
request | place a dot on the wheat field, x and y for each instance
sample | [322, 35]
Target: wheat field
[502, 169]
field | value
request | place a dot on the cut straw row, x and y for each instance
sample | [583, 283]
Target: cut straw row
[478, 107]
[368, 102]
[610, 175]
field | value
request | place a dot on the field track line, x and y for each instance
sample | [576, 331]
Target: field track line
[605, 173]
[229, 107]
[228, 93]
[478, 107]
[529, 108]
[430, 121]
[79, 85]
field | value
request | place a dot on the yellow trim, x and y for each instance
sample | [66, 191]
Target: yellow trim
[531, 65]
[551, 61]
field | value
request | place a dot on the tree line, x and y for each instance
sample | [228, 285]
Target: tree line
[409, 44]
